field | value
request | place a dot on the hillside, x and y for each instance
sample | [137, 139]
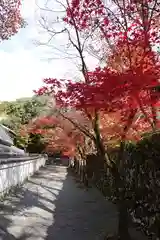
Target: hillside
[21, 111]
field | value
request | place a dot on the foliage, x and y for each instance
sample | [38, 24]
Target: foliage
[58, 134]
[20, 141]
[119, 100]
[3, 106]
[17, 116]
[36, 143]
[21, 111]
[10, 18]
[142, 183]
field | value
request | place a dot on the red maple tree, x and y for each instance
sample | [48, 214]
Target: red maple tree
[59, 134]
[10, 18]
[127, 84]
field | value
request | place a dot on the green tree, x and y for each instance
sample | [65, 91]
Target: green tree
[21, 111]
[36, 143]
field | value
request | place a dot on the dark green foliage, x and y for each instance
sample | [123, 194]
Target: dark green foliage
[141, 179]
[24, 110]
[20, 142]
[142, 183]
[36, 143]
[56, 154]
[18, 114]
[21, 111]
[3, 106]
[146, 185]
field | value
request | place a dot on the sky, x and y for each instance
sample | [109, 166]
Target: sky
[24, 64]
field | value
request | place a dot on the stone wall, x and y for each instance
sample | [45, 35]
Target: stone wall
[14, 171]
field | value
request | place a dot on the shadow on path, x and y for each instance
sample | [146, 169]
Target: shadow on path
[51, 206]
[81, 214]
[29, 209]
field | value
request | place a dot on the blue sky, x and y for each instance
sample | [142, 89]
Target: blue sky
[23, 64]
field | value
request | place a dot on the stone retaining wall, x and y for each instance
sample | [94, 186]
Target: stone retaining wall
[14, 171]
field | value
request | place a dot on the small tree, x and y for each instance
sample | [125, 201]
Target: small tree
[58, 133]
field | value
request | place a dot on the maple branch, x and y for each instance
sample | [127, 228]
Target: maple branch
[89, 35]
[72, 42]
[153, 109]
[79, 47]
[116, 18]
[100, 145]
[123, 15]
[145, 114]
[82, 129]
[88, 114]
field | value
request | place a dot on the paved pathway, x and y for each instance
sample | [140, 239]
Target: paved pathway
[51, 206]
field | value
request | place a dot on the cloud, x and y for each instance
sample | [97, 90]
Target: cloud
[22, 68]
[21, 73]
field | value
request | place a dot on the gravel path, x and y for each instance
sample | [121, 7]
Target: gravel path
[52, 206]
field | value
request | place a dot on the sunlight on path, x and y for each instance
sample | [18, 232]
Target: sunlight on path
[33, 206]
[52, 206]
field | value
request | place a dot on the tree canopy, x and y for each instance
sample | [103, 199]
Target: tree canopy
[10, 18]
[118, 102]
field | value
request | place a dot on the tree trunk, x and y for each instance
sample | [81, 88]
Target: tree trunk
[123, 231]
